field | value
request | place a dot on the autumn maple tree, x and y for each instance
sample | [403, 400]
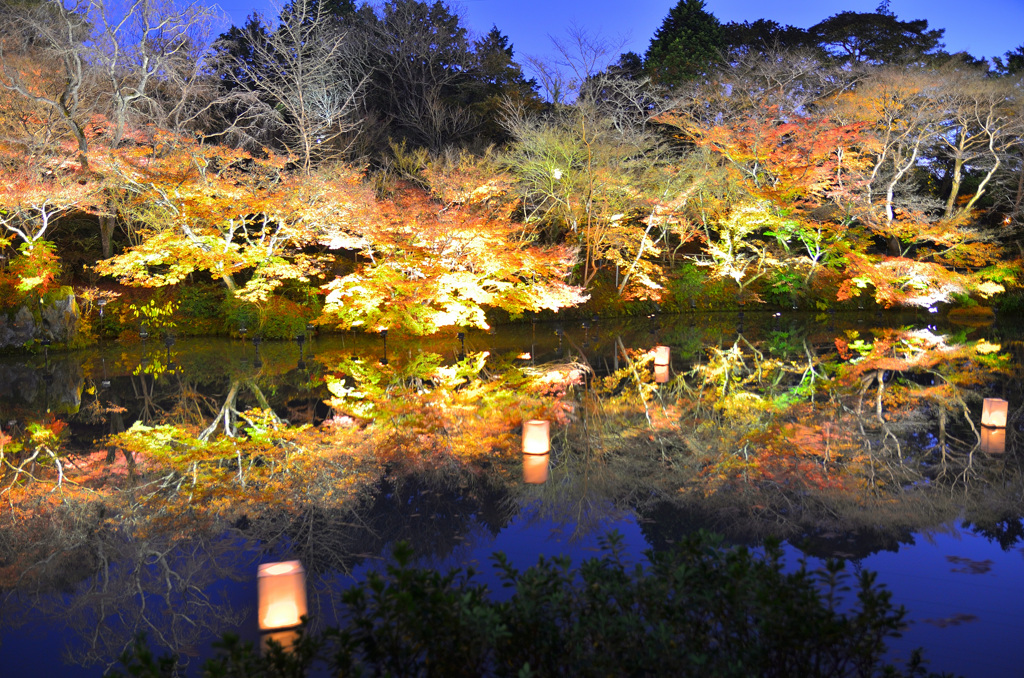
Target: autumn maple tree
[219, 211]
[825, 165]
[595, 174]
[429, 264]
[421, 264]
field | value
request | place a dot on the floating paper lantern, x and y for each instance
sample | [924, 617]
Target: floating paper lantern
[661, 374]
[993, 413]
[536, 436]
[661, 355]
[282, 595]
[536, 449]
[993, 440]
[535, 468]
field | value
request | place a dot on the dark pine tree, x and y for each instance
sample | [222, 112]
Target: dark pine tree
[688, 45]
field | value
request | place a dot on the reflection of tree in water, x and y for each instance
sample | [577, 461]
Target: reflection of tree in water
[112, 583]
[591, 485]
[53, 385]
[436, 513]
[191, 389]
[666, 523]
[843, 446]
[109, 587]
[756, 434]
[591, 482]
[993, 508]
[1006, 530]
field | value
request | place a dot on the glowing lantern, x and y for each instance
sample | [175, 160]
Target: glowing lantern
[661, 374]
[993, 440]
[535, 468]
[536, 448]
[993, 413]
[281, 590]
[536, 436]
[661, 355]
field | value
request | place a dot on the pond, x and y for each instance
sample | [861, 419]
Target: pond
[851, 436]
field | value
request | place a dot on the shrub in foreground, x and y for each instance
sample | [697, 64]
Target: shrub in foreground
[700, 609]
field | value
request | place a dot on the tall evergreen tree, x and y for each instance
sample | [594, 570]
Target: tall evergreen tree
[422, 57]
[877, 38]
[496, 79]
[1011, 63]
[688, 44]
[761, 35]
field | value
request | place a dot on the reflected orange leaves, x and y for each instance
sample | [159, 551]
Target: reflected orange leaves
[557, 381]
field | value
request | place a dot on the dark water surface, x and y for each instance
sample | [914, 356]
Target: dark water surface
[960, 573]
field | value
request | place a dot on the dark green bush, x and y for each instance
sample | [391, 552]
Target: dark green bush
[691, 282]
[277, 318]
[200, 301]
[284, 319]
[1012, 301]
[783, 287]
[698, 610]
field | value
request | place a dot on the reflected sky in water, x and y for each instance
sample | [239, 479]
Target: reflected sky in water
[963, 593]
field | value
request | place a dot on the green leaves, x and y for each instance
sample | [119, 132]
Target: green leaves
[688, 44]
[699, 609]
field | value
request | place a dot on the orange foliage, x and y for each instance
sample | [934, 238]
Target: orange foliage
[433, 266]
[209, 208]
[422, 265]
[789, 156]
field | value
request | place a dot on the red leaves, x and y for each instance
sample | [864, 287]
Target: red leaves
[787, 155]
[844, 349]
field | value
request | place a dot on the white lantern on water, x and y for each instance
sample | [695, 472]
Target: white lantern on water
[536, 449]
[281, 589]
[536, 436]
[993, 440]
[993, 412]
[661, 355]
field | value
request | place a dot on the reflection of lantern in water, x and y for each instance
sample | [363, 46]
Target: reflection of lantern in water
[993, 440]
[535, 468]
[661, 355]
[282, 595]
[993, 413]
[661, 374]
[536, 436]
